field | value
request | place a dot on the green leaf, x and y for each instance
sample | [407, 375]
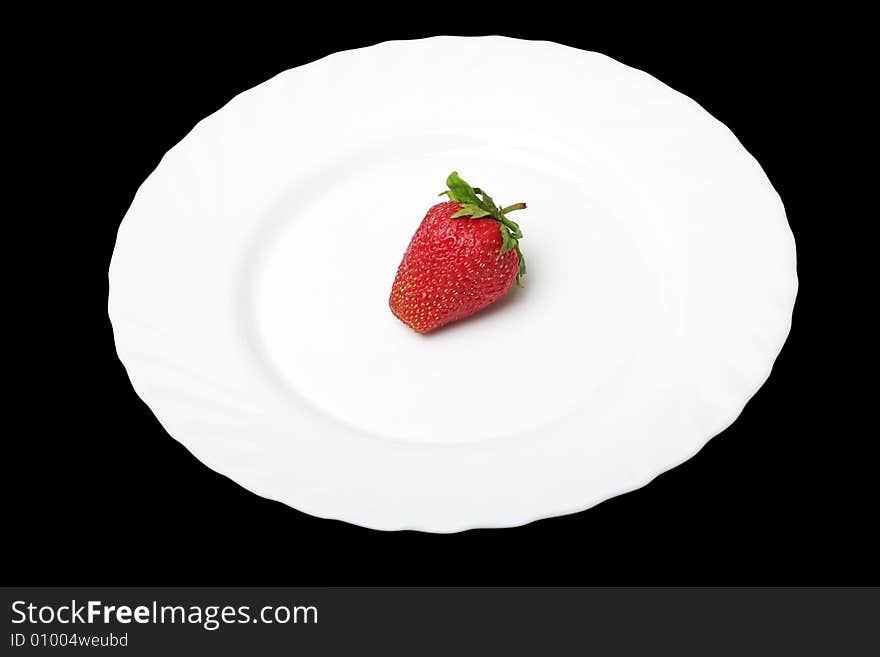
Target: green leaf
[470, 210]
[515, 232]
[522, 267]
[489, 203]
[460, 191]
[507, 242]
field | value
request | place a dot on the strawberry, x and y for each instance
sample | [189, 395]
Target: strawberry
[464, 255]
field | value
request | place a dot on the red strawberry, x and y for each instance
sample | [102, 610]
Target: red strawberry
[464, 255]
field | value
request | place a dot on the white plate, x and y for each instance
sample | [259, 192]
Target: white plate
[249, 285]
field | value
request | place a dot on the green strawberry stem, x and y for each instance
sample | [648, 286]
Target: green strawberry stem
[475, 204]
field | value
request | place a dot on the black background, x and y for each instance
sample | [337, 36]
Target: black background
[98, 493]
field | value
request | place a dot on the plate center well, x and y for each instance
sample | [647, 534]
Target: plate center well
[323, 321]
